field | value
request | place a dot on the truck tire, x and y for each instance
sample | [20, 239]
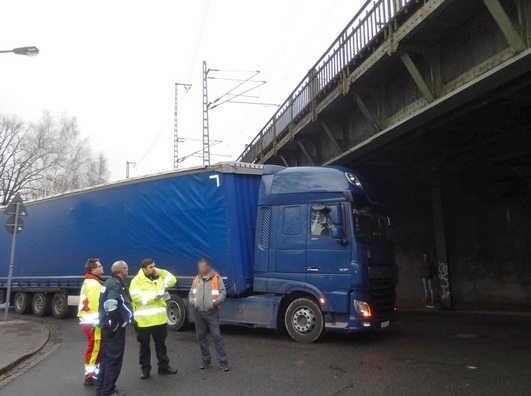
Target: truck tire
[41, 304]
[59, 305]
[22, 303]
[176, 311]
[304, 320]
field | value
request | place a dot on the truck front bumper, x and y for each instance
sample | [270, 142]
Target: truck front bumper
[354, 322]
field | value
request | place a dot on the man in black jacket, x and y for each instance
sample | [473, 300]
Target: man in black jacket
[116, 313]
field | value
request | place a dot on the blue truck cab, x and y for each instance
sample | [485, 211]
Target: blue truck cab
[321, 241]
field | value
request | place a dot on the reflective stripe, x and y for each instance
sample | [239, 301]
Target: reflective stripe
[150, 311]
[82, 299]
[90, 318]
[145, 296]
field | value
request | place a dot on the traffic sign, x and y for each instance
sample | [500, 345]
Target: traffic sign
[11, 209]
[10, 224]
[14, 225]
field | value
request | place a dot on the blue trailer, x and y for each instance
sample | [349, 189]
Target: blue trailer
[302, 247]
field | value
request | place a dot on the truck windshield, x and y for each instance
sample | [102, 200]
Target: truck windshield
[370, 222]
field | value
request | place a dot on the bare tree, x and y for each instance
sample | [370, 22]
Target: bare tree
[46, 158]
[22, 150]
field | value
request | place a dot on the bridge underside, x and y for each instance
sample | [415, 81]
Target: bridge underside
[459, 189]
[442, 124]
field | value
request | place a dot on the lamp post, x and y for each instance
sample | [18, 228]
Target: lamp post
[28, 51]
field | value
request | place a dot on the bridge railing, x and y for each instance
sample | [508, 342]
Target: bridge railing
[368, 22]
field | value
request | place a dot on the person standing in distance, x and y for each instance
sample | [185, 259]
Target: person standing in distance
[89, 317]
[148, 291]
[116, 313]
[206, 295]
[427, 271]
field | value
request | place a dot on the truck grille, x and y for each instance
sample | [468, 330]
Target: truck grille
[382, 289]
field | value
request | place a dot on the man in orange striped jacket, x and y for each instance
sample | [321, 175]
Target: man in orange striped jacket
[206, 295]
[88, 317]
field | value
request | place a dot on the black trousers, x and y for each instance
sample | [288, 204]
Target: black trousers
[159, 334]
[112, 357]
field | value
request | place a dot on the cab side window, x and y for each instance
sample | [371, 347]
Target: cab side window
[320, 222]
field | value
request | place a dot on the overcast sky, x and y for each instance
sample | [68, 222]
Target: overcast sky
[113, 65]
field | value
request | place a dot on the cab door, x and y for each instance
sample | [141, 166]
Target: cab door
[329, 254]
[290, 248]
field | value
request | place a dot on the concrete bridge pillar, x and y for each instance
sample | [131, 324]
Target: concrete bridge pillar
[443, 269]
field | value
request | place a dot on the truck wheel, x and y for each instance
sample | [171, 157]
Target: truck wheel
[41, 304]
[304, 320]
[176, 311]
[21, 303]
[59, 306]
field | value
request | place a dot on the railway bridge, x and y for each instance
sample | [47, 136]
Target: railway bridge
[431, 101]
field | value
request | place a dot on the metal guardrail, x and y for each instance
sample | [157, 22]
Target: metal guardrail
[370, 20]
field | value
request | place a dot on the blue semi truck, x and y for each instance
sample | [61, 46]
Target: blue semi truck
[303, 248]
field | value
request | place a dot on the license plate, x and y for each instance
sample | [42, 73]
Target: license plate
[385, 324]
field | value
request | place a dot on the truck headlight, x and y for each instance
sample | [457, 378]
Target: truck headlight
[362, 308]
[353, 179]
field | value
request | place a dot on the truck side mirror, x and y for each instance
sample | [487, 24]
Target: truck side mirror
[336, 215]
[337, 233]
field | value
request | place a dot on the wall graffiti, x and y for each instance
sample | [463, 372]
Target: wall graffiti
[444, 281]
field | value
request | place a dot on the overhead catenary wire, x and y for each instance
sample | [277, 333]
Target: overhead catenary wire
[135, 164]
[253, 117]
[218, 102]
[199, 38]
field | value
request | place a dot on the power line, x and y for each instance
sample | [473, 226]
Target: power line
[149, 149]
[234, 71]
[232, 97]
[254, 103]
[249, 80]
[199, 38]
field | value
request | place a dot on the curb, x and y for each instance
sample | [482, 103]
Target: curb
[44, 339]
[438, 310]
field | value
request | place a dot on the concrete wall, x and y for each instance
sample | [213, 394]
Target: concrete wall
[488, 233]
[488, 223]
[413, 235]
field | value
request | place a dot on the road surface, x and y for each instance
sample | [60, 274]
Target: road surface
[434, 353]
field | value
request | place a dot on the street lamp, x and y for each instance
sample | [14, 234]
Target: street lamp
[29, 51]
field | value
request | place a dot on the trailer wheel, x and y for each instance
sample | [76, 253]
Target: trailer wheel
[41, 304]
[21, 303]
[176, 312]
[59, 305]
[304, 320]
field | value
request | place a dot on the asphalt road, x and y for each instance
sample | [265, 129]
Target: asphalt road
[424, 354]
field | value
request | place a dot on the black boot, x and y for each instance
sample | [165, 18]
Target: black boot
[145, 374]
[167, 370]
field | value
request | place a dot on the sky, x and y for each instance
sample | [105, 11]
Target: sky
[113, 65]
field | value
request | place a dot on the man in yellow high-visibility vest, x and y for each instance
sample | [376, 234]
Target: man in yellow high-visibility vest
[147, 291]
[88, 317]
